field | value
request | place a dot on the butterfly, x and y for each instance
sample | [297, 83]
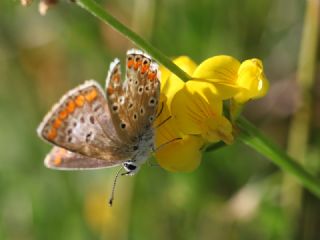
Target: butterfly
[92, 128]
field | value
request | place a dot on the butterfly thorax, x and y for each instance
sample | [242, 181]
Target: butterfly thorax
[142, 149]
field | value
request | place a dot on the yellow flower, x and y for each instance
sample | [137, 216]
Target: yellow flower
[176, 152]
[197, 106]
[192, 111]
[219, 68]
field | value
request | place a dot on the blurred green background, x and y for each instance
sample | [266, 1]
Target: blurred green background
[234, 194]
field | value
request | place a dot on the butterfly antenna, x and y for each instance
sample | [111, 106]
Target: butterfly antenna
[114, 187]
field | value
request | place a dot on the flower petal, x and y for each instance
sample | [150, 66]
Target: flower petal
[192, 108]
[182, 155]
[169, 88]
[186, 64]
[217, 129]
[219, 90]
[170, 83]
[219, 68]
[252, 80]
[166, 128]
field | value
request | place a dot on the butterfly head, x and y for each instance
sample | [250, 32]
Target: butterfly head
[131, 167]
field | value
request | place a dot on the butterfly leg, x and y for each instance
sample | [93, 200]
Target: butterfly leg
[161, 109]
[163, 122]
[166, 143]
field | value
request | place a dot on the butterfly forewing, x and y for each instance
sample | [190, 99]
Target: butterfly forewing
[81, 123]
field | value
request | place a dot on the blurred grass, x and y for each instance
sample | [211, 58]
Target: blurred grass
[235, 192]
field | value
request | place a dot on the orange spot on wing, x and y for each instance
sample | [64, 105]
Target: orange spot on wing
[151, 76]
[92, 95]
[57, 123]
[71, 106]
[144, 68]
[79, 101]
[116, 78]
[52, 134]
[63, 114]
[110, 90]
[136, 65]
[130, 63]
[57, 160]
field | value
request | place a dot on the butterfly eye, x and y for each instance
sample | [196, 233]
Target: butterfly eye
[123, 125]
[129, 166]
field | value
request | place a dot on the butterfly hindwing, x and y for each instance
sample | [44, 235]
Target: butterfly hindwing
[133, 104]
[143, 88]
[62, 159]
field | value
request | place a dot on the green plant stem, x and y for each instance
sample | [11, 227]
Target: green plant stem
[248, 133]
[251, 136]
[299, 128]
[96, 10]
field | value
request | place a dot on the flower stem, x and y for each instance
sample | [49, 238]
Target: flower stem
[95, 9]
[249, 134]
